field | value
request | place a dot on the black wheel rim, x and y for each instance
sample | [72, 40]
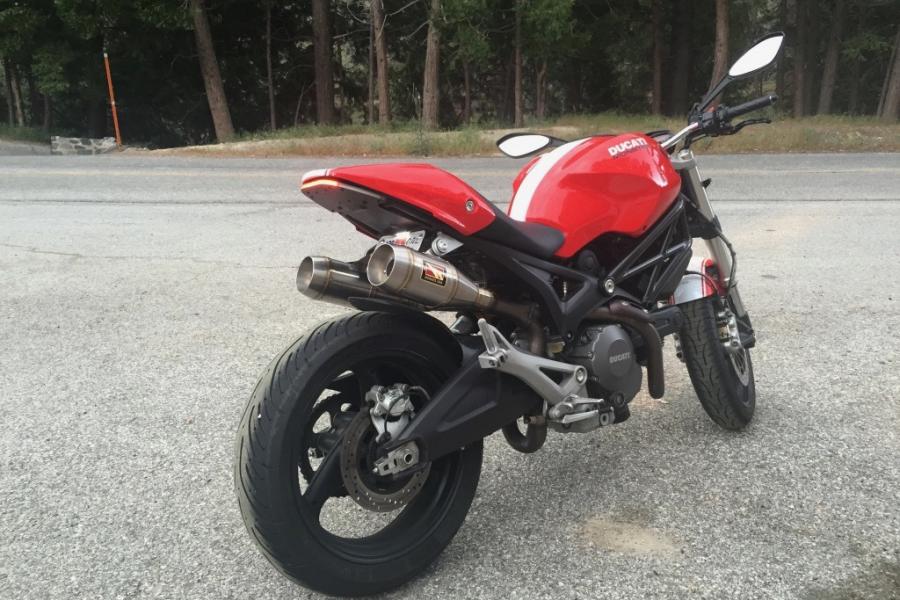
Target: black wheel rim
[414, 522]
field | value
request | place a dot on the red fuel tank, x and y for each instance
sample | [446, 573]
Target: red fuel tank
[597, 185]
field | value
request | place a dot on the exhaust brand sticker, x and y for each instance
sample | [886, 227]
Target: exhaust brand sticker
[433, 273]
[410, 239]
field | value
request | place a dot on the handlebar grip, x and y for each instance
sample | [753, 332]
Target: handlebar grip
[746, 107]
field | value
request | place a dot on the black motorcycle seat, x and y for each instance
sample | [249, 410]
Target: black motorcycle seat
[541, 241]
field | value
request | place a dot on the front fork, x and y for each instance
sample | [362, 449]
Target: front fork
[692, 186]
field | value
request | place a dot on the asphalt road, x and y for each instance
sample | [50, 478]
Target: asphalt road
[141, 297]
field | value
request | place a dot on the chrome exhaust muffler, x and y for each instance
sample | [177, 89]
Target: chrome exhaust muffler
[393, 273]
[399, 274]
[323, 278]
[427, 280]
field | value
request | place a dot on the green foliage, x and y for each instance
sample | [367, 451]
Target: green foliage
[464, 24]
[548, 26]
[23, 134]
[49, 67]
[598, 57]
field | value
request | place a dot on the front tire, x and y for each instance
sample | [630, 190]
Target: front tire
[723, 380]
[322, 378]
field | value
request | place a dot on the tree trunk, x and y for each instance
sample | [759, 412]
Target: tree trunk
[720, 55]
[34, 98]
[46, 123]
[892, 94]
[300, 104]
[16, 92]
[430, 87]
[273, 125]
[97, 118]
[381, 57]
[801, 26]
[829, 73]
[339, 74]
[781, 65]
[540, 92]
[212, 78]
[884, 82]
[467, 94]
[518, 115]
[682, 68]
[853, 94]
[322, 49]
[811, 56]
[370, 100]
[656, 100]
[21, 113]
[573, 89]
[10, 111]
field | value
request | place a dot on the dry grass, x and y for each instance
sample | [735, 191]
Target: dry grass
[813, 134]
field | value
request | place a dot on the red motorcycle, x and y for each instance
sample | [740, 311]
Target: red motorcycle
[360, 450]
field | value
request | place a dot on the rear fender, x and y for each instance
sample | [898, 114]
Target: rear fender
[701, 281]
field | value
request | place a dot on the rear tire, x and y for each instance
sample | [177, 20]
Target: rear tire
[724, 384]
[284, 520]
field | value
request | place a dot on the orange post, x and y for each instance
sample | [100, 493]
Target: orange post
[112, 100]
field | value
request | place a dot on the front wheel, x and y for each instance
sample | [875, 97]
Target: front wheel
[722, 374]
[304, 472]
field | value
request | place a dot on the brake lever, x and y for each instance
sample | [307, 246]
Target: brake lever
[746, 122]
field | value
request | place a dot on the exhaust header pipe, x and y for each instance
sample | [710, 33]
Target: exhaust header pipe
[428, 280]
[323, 278]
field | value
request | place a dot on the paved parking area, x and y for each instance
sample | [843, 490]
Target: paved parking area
[141, 297]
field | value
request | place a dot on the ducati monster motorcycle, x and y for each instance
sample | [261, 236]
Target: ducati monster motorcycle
[360, 450]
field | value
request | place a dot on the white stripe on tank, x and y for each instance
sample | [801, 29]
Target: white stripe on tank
[522, 200]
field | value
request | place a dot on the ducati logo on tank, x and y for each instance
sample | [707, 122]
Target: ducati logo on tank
[627, 146]
[433, 273]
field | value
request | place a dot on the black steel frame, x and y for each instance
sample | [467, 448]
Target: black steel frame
[564, 315]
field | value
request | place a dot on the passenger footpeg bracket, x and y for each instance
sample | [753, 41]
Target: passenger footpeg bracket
[503, 356]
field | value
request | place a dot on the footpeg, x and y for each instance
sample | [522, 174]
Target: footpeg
[579, 415]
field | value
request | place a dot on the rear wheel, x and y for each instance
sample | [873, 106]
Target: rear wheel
[722, 373]
[305, 450]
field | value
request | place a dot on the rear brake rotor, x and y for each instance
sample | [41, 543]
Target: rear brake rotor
[371, 491]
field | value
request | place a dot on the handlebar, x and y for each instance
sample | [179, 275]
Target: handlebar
[717, 122]
[742, 109]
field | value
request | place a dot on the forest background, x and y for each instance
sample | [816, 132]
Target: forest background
[196, 71]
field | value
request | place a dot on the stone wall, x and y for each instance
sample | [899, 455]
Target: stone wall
[67, 145]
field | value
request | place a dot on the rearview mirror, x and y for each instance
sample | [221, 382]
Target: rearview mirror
[518, 145]
[762, 54]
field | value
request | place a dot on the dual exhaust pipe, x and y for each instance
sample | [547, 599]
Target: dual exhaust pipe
[398, 273]
[392, 273]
